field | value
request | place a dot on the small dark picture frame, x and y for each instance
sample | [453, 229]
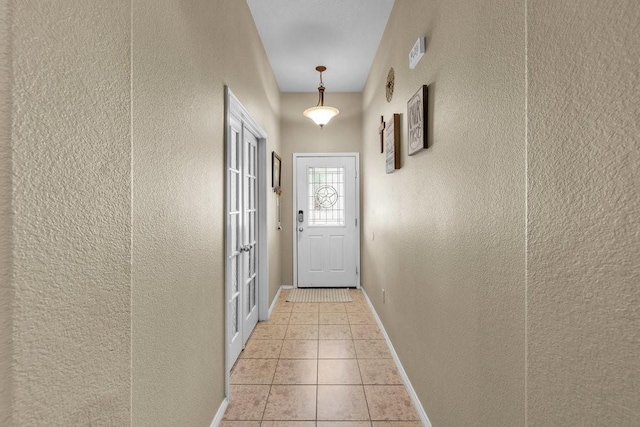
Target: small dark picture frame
[276, 172]
[392, 144]
[417, 121]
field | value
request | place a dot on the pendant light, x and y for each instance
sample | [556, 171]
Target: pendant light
[321, 114]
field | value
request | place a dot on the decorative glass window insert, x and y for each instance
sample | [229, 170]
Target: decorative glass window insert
[326, 197]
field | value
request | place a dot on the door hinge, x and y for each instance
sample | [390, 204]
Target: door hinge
[356, 222]
[356, 270]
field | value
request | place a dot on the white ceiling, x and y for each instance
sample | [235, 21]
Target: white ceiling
[342, 35]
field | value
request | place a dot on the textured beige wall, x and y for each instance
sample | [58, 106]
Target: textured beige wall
[183, 55]
[6, 241]
[449, 226]
[67, 360]
[444, 235]
[301, 135]
[71, 212]
[583, 312]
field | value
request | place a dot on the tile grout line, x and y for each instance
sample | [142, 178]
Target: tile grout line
[265, 404]
[364, 393]
[317, 369]
[274, 373]
[359, 371]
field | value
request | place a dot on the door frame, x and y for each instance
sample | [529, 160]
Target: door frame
[233, 108]
[296, 156]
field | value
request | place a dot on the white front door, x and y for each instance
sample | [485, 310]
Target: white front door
[326, 220]
[242, 235]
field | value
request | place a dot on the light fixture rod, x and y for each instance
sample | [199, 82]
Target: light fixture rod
[320, 69]
[320, 96]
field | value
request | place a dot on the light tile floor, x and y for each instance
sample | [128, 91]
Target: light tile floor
[318, 365]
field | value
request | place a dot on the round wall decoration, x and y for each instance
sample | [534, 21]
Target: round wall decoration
[390, 82]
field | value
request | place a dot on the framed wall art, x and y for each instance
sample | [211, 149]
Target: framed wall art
[276, 172]
[392, 143]
[417, 121]
[381, 132]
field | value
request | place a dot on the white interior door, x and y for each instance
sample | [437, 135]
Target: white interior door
[326, 220]
[249, 234]
[242, 236]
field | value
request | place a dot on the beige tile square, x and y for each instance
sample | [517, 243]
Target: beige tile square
[296, 371]
[299, 349]
[397, 424]
[336, 349]
[261, 349]
[390, 402]
[355, 307]
[253, 371]
[265, 331]
[283, 307]
[363, 304]
[361, 319]
[379, 371]
[334, 319]
[366, 332]
[247, 402]
[338, 372]
[335, 332]
[303, 318]
[332, 307]
[306, 307]
[291, 402]
[342, 402]
[240, 424]
[343, 424]
[288, 424]
[372, 349]
[278, 318]
[302, 332]
[358, 297]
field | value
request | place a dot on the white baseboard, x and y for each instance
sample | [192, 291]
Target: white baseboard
[412, 393]
[275, 299]
[220, 414]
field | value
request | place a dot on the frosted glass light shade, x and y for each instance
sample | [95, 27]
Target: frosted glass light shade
[321, 115]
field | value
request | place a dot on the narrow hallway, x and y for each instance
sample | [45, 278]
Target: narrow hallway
[325, 362]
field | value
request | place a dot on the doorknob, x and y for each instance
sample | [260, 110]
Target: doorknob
[300, 229]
